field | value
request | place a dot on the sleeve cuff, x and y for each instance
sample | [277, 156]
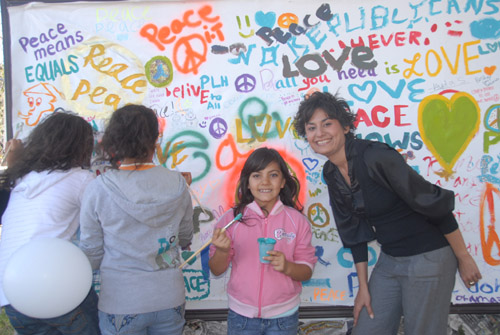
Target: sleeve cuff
[446, 224]
[360, 253]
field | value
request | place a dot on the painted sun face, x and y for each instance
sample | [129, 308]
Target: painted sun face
[266, 184]
[326, 136]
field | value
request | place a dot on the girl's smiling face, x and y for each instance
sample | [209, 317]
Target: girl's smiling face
[266, 184]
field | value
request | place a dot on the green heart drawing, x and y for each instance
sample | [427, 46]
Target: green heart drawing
[448, 125]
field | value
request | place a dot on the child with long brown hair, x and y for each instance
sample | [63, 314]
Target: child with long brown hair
[47, 180]
[264, 296]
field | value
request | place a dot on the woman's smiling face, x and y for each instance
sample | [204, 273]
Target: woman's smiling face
[326, 136]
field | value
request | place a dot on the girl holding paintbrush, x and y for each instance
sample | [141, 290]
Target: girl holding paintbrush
[134, 219]
[263, 292]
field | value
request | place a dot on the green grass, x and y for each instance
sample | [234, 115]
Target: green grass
[5, 327]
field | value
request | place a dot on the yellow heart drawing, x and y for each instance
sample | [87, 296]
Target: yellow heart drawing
[448, 125]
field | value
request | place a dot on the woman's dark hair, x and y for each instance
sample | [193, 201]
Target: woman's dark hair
[131, 132]
[334, 106]
[61, 141]
[259, 160]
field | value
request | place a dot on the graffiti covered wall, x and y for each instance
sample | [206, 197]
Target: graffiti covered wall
[226, 77]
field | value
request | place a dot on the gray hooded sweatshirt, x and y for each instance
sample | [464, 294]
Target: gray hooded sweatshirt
[133, 224]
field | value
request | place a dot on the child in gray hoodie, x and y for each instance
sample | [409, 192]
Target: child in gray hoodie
[135, 217]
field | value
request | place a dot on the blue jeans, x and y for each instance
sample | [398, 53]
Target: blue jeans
[240, 325]
[165, 322]
[82, 320]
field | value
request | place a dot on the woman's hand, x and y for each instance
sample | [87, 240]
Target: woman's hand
[467, 267]
[363, 299]
[221, 241]
[469, 272]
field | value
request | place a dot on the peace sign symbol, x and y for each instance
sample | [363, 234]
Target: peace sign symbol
[245, 83]
[159, 71]
[192, 59]
[492, 119]
[218, 127]
[318, 215]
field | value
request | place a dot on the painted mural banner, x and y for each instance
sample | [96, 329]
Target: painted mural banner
[226, 77]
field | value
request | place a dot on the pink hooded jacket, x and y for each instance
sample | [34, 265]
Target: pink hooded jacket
[256, 290]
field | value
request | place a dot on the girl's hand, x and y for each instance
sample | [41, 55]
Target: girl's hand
[221, 241]
[363, 299]
[188, 177]
[469, 272]
[14, 149]
[278, 261]
[219, 262]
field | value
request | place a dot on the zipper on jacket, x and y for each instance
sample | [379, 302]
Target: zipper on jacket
[262, 266]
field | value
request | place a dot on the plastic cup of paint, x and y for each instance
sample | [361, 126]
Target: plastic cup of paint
[265, 245]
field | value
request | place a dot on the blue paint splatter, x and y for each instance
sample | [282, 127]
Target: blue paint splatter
[319, 252]
[204, 263]
[315, 282]
[485, 29]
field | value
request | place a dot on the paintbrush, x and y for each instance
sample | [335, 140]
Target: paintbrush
[194, 195]
[237, 218]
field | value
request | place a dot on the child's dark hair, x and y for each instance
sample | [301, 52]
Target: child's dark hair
[131, 132]
[334, 106]
[259, 160]
[59, 142]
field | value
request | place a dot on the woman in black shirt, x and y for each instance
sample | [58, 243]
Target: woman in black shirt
[374, 194]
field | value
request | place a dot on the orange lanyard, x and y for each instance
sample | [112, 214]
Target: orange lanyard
[136, 167]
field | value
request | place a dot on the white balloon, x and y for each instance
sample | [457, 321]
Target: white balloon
[47, 277]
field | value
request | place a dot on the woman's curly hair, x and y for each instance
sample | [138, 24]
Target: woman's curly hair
[61, 141]
[334, 106]
[131, 132]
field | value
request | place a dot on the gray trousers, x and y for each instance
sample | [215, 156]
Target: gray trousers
[417, 287]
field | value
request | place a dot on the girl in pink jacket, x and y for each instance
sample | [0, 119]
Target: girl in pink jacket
[264, 298]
